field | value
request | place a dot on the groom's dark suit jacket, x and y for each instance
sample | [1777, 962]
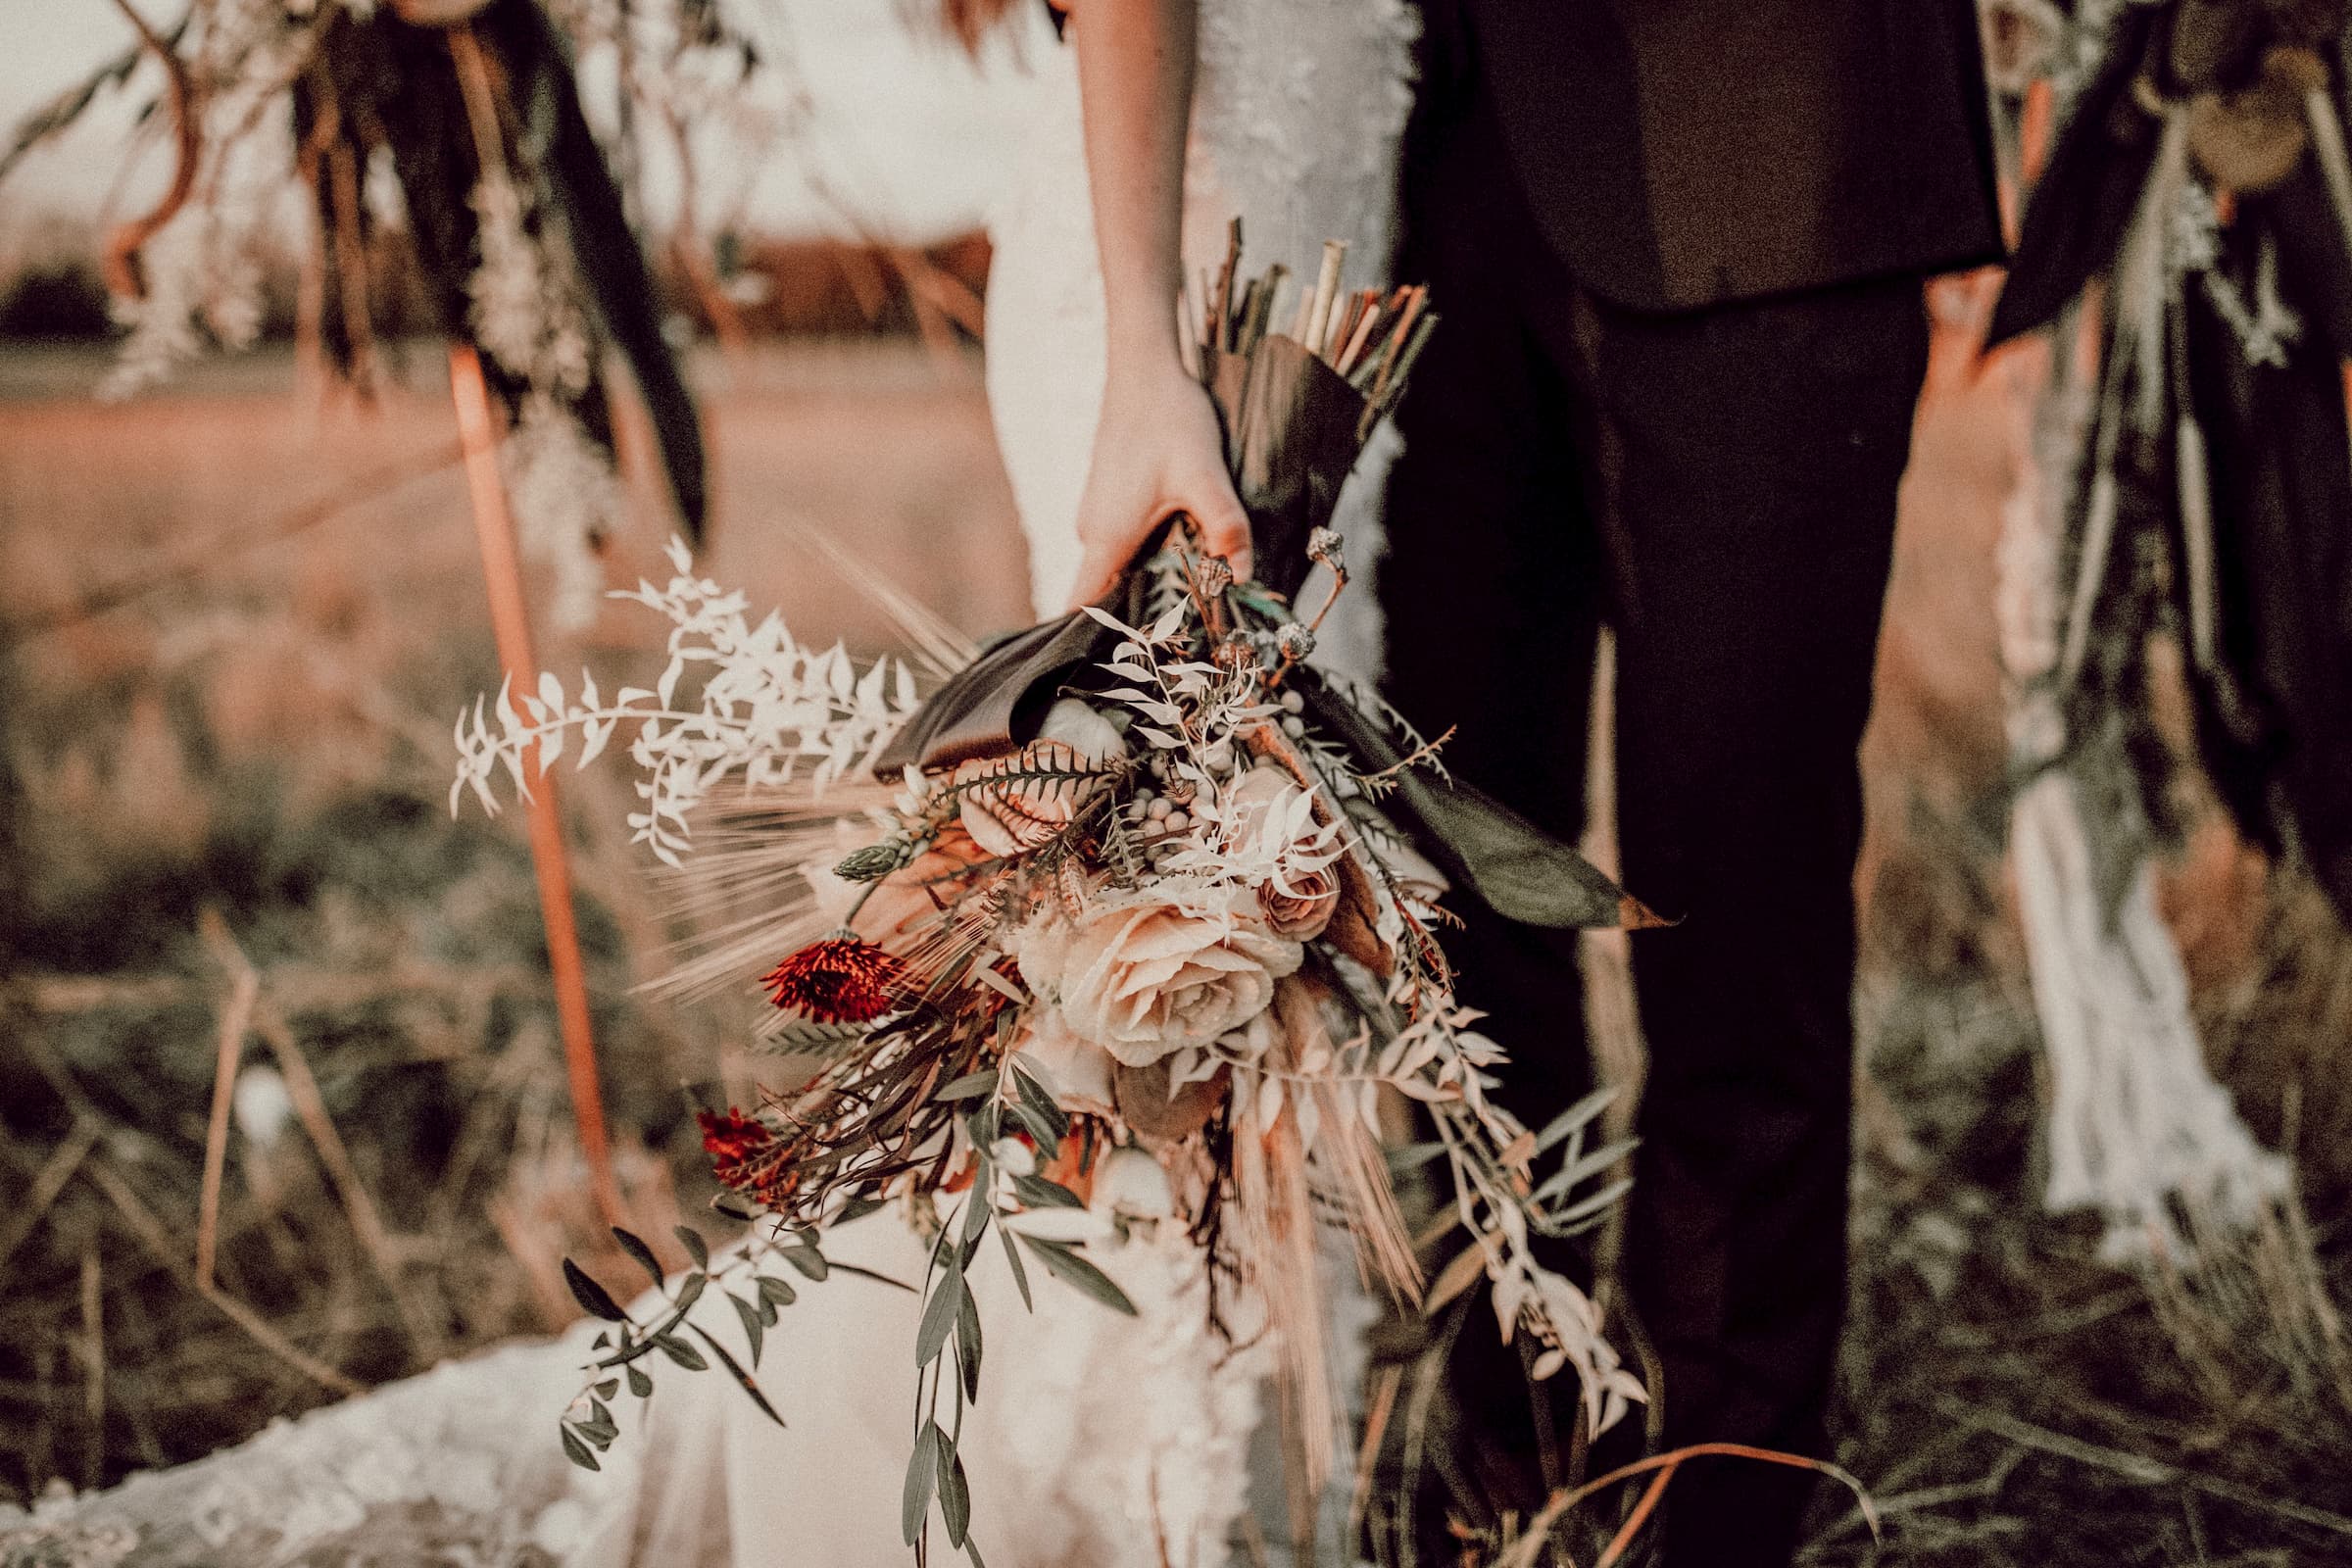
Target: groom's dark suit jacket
[1685, 153]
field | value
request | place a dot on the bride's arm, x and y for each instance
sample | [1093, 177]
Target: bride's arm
[1157, 449]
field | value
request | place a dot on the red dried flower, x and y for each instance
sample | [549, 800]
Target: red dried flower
[839, 980]
[745, 1154]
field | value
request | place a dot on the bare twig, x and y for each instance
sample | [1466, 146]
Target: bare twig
[2139, 1468]
[1539, 1527]
[309, 1108]
[157, 1240]
[236, 1018]
[207, 555]
[293, 987]
[124, 273]
[49, 1181]
[93, 1362]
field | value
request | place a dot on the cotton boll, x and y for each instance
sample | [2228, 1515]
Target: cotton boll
[1129, 1184]
[1083, 729]
[261, 1105]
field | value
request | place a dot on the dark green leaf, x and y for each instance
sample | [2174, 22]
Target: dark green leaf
[590, 1295]
[753, 1329]
[608, 1388]
[775, 1290]
[976, 1206]
[973, 1551]
[857, 1209]
[967, 1342]
[1041, 1104]
[678, 1350]
[603, 1341]
[690, 1291]
[1020, 1275]
[606, 255]
[1037, 1193]
[696, 1247]
[1066, 1264]
[877, 1278]
[922, 1475]
[1039, 1128]
[743, 1379]
[954, 1498]
[807, 1259]
[600, 1428]
[939, 1318]
[635, 1246]
[577, 1451]
[640, 1384]
[971, 1086]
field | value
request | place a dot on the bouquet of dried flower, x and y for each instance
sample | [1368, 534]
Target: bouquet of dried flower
[1142, 897]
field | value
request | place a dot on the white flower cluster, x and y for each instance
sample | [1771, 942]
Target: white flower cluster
[768, 707]
[202, 270]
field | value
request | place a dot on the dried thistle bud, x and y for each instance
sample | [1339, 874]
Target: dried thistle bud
[873, 863]
[1323, 544]
[1295, 640]
[1213, 576]
[1234, 655]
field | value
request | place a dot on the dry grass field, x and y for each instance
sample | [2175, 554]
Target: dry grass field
[234, 630]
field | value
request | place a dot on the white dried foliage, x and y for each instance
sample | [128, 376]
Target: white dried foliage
[768, 708]
[203, 269]
[524, 307]
[526, 314]
[565, 496]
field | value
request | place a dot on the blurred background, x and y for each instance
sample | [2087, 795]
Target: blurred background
[240, 607]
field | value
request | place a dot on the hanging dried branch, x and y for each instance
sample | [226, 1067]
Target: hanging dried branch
[124, 273]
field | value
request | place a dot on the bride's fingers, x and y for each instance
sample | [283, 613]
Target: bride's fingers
[1100, 567]
[1224, 526]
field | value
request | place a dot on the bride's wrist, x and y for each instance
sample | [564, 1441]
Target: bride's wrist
[1143, 367]
[1142, 346]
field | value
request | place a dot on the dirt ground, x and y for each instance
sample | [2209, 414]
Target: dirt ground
[234, 630]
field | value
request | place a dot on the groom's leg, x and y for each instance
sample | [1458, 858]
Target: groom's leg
[1491, 597]
[1490, 591]
[1754, 452]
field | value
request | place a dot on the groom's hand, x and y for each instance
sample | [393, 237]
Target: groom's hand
[1158, 452]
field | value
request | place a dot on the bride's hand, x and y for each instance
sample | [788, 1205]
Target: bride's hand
[1158, 452]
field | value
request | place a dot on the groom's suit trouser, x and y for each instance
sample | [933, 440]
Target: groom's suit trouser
[1719, 488]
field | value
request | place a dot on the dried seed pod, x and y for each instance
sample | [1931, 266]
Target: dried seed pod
[2251, 140]
[1147, 1106]
[874, 862]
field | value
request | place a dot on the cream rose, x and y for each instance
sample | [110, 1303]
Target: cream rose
[1146, 974]
[1298, 900]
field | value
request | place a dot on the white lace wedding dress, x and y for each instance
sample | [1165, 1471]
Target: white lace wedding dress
[1098, 1441]
[1297, 109]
